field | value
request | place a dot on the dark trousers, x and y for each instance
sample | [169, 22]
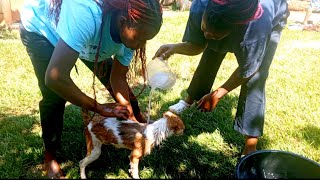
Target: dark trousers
[249, 118]
[52, 106]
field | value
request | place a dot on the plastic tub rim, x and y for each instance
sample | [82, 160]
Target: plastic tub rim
[270, 151]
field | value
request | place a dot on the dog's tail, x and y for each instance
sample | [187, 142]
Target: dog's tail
[85, 116]
[86, 120]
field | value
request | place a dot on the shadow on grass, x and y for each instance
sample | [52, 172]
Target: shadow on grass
[311, 135]
[177, 157]
[21, 147]
[189, 159]
[192, 155]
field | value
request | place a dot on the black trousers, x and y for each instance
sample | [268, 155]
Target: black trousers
[51, 105]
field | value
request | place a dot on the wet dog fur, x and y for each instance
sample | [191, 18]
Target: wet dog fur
[140, 138]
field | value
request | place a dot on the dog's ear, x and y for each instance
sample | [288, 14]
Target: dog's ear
[174, 122]
[169, 114]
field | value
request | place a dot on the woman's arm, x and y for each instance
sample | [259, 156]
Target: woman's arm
[209, 101]
[188, 48]
[184, 48]
[120, 87]
[234, 81]
[58, 79]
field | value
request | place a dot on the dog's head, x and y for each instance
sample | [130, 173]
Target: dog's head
[175, 124]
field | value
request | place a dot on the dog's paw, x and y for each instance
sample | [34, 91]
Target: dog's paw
[133, 175]
[83, 175]
[82, 171]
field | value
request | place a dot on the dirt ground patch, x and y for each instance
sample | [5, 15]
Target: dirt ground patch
[298, 11]
[298, 5]
[296, 19]
[298, 16]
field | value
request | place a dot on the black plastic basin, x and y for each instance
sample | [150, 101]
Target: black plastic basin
[275, 164]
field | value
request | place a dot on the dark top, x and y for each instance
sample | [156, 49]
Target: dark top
[248, 42]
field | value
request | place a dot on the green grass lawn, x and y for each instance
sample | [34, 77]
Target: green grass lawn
[209, 147]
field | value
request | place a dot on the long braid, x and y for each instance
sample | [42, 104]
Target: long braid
[145, 12]
[54, 9]
[138, 12]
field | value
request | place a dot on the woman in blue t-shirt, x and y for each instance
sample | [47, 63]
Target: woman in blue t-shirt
[251, 30]
[56, 33]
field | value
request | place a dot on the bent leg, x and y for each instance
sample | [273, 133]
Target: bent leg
[202, 79]
[91, 156]
[205, 74]
[137, 153]
[249, 118]
[51, 106]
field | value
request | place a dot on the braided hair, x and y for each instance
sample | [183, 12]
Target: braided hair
[139, 12]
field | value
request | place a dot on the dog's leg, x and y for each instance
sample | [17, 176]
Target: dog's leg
[135, 156]
[136, 153]
[88, 141]
[94, 155]
[86, 119]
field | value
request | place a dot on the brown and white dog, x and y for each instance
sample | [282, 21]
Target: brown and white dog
[138, 137]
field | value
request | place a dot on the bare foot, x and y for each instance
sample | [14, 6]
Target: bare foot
[53, 170]
[250, 145]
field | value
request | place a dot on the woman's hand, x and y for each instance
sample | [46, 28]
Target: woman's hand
[184, 48]
[209, 101]
[113, 110]
[165, 51]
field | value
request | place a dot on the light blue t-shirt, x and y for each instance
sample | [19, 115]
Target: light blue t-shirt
[79, 26]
